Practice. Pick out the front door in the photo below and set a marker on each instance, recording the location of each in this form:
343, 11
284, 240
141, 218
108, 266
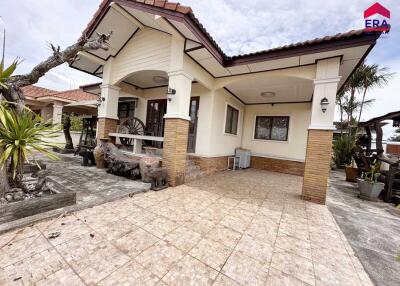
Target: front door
156, 110
193, 114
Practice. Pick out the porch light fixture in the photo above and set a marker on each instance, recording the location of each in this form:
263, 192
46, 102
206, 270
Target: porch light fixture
100, 100
268, 94
324, 104
170, 93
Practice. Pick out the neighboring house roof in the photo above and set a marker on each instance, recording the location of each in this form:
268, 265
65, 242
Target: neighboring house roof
171, 10
36, 91
40, 93
74, 95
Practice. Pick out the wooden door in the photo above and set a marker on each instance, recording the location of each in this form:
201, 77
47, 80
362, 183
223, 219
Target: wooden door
193, 114
156, 110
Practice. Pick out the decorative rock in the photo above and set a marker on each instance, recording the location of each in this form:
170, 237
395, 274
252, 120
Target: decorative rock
145, 164
9, 197
18, 196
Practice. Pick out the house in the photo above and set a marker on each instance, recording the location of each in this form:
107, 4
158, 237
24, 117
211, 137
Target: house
50, 104
278, 103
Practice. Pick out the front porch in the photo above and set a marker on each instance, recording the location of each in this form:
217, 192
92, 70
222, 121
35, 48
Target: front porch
245, 227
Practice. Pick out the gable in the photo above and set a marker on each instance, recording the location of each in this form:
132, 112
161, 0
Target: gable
148, 49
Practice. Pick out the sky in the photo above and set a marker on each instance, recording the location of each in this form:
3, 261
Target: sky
238, 27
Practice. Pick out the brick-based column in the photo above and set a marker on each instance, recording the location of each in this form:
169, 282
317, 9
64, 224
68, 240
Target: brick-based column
105, 126
174, 149
317, 166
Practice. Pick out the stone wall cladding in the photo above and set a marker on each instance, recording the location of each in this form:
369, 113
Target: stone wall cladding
105, 126
210, 165
317, 166
175, 149
278, 165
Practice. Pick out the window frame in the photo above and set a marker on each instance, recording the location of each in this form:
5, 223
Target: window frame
272, 117
225, 119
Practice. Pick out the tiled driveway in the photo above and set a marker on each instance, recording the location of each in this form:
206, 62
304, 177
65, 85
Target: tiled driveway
234, 228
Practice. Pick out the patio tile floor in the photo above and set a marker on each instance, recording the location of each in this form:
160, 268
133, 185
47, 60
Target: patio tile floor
233, 228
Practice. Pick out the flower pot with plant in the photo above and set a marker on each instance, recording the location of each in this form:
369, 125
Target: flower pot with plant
352, 172
368, 185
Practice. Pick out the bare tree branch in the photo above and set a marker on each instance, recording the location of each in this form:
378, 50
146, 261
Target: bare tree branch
14, 83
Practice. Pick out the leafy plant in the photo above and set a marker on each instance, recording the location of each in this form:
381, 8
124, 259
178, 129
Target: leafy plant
342, 151
20, 134
373, 174
5, 73
396, 136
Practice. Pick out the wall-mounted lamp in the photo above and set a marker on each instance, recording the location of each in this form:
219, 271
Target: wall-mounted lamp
100, 100
324, 104
170, 93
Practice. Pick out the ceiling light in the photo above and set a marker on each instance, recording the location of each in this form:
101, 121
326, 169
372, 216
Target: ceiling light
267, 94
160, 79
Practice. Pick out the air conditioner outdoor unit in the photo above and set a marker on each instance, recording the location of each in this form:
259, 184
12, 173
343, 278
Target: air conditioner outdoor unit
243, 157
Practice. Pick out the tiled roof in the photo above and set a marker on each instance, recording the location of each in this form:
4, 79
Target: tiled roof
172, 7
36, 91
339, 36
73, 95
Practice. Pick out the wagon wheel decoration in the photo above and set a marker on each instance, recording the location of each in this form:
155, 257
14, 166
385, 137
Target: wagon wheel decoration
132, 126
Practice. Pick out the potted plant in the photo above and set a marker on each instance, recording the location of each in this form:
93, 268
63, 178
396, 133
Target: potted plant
351, 172
369, 186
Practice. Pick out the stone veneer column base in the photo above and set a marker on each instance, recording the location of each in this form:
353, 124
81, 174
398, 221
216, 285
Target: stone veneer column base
175, 149
105, 126
317, 167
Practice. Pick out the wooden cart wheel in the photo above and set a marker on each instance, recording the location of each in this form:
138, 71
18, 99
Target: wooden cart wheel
133, 126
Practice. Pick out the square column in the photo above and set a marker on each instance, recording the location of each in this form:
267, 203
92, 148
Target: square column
107, 111
57, 112
177, 127
320, 132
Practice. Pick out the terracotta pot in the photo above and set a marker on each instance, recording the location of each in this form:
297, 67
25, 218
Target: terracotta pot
351, 174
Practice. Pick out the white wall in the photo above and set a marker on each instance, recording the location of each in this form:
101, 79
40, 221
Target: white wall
295, 147
221, 144
147, 50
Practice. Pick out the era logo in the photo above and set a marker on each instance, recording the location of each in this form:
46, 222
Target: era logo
376, 18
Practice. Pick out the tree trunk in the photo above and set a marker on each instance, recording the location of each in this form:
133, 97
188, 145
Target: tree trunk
4, 185
362, 104
66, 127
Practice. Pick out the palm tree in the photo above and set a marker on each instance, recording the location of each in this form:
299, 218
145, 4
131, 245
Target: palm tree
340, 103
371, 76
354, 84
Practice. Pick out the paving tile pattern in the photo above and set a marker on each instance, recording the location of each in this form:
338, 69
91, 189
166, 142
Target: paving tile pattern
233, 228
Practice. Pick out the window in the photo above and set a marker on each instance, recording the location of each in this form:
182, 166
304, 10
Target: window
272, 128
126, 109
232, 118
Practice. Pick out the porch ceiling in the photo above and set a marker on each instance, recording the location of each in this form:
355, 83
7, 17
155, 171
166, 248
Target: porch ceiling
148, 79
283, 89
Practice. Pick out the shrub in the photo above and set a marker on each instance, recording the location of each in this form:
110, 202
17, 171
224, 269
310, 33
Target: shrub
342, 151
